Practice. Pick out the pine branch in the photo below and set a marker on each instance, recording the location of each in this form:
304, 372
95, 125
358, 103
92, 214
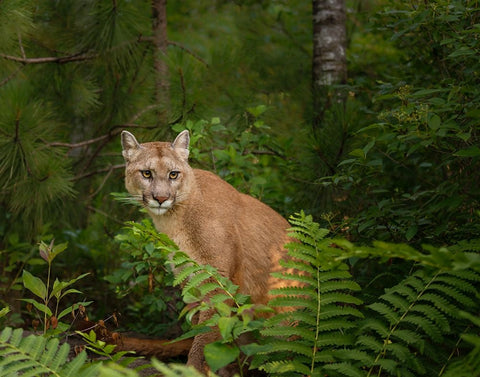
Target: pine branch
50, 59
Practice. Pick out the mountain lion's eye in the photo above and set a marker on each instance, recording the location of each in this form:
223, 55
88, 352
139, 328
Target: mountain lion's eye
146, 174
173, 175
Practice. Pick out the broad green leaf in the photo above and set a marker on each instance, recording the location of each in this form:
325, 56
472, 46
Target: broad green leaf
411, 232
57, 249
42, 307
59, 286
219, 355
226, 326
4, 311
434, 121
473, 151
34, 285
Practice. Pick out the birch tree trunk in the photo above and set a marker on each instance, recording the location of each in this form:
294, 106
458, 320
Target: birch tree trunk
160, 43
329, 52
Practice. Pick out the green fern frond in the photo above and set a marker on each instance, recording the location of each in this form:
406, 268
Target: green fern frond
345, 369
370, 343
326, 308
183, 273
452, 293
288, 367
35, 355
298, 347
435, 315
195, 281
413, 316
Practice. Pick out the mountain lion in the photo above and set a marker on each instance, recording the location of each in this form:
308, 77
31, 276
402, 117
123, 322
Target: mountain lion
207, 218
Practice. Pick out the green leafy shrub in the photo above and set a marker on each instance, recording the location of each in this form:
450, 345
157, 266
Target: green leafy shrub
48, 294
144, 280
412, 174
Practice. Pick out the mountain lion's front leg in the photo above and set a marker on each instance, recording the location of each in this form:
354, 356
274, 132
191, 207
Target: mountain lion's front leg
196, 357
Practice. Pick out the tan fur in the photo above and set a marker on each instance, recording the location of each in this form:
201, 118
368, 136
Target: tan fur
208, 219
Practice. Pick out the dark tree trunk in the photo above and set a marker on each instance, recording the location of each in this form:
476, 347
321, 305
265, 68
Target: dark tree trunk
329, 53
160, 43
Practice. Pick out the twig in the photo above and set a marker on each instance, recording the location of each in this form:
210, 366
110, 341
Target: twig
99, 171
189, 52
11, 76
105, 214
113, 132
49, 59
78, 145
109, 173
143, 111
21, 46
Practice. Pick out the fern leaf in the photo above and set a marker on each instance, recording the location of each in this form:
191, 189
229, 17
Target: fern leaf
355, 355
293, 301
409, 337
286, 366
467, 274
197, 280
337, 285
50, 351
296, 264
184, 273
299, 291
396, 301
304, 279
337, 311
409, 293
453, 293
426, 325
298, 347
328, 307
371, 343
345, 369
34, 356
457, 282
401, 352
338, 297
440, 303
72, 368
289, 331
60, 356
432, 313
385, 311
334, 339
339, 324
376, 325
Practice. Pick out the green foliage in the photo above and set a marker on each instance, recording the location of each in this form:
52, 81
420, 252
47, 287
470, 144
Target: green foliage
177, 370
34, 355
411, 322
45, 294
314, 339
144, 278
247, 156
105, 350
412, 173
231, 313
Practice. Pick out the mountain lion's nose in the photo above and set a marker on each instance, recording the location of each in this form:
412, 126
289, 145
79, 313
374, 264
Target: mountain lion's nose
160, 199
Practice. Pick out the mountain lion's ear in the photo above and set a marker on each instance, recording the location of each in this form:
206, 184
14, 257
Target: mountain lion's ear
181, 144
129, 144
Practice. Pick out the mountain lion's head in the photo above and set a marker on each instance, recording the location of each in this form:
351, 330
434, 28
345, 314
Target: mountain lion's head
157, 174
